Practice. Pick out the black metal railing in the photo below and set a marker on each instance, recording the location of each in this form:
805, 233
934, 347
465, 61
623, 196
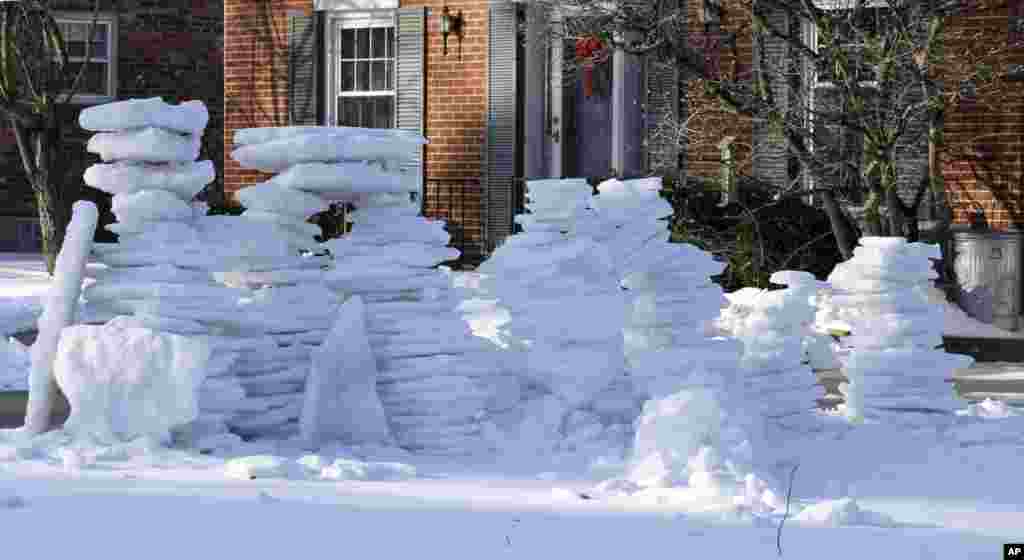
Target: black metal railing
458, 201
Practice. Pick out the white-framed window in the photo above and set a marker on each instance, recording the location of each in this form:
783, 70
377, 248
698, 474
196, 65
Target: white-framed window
99, 83
361, 77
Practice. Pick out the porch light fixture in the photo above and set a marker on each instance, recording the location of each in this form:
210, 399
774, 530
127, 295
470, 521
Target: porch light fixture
450, 24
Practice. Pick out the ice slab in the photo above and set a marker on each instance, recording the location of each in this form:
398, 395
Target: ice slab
184, 180
145, 144
341, 401
188, 117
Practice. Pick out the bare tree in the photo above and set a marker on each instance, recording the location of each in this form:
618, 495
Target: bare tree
37, 83
887, 90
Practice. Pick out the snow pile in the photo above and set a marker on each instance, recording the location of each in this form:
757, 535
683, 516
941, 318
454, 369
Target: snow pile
776, 332
688, 441
883, 294
565, 316
341, 401
14, 365
124, 382
59, 309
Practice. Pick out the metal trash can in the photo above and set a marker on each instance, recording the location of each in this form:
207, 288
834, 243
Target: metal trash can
989, 269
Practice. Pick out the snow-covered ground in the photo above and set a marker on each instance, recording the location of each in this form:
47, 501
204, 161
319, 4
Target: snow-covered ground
939, 492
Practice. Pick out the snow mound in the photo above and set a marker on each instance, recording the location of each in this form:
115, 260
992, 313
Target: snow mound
844, 512
183, 179
188, 117
127, 381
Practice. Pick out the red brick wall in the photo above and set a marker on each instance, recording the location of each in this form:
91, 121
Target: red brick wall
984, 159
255, 74
255, 90
712, 123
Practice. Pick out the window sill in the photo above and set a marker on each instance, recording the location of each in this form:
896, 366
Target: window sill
91, 99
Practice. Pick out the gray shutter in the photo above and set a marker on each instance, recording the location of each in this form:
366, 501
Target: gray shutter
661, 109
500, 148
410, 33
771, 165
303, 52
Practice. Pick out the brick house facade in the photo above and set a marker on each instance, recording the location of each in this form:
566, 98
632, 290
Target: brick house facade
278, 59
983, 164
167, 48
496, 110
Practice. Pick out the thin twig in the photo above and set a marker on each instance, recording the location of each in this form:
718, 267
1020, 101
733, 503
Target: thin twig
789, 495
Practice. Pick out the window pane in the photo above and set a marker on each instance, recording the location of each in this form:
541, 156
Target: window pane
378, 45
363, 43
348, 76
391, 75
379, 75
348, 43
391, 42
94, 82
362, 76
383, 111
348, 111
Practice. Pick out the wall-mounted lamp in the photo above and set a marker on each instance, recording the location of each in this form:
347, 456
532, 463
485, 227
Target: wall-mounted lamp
450, 24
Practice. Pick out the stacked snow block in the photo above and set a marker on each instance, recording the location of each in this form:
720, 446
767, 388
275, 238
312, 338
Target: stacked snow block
160, 272
775, 334
558, 287
314, 166
436, 379
434, 376
631, 215
893, 359
673, 302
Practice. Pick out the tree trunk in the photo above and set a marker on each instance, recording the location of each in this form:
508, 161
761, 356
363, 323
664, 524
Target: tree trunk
841, 231
53, 201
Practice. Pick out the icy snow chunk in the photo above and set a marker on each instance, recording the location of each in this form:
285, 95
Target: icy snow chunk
182, 179
244, 136
145, 144
341, 399
126, 382
258, 466
844, 512
270, 197
987, 408
150, 206
348, 469
189, 117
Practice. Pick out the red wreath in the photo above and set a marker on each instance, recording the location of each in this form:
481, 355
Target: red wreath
589, 51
